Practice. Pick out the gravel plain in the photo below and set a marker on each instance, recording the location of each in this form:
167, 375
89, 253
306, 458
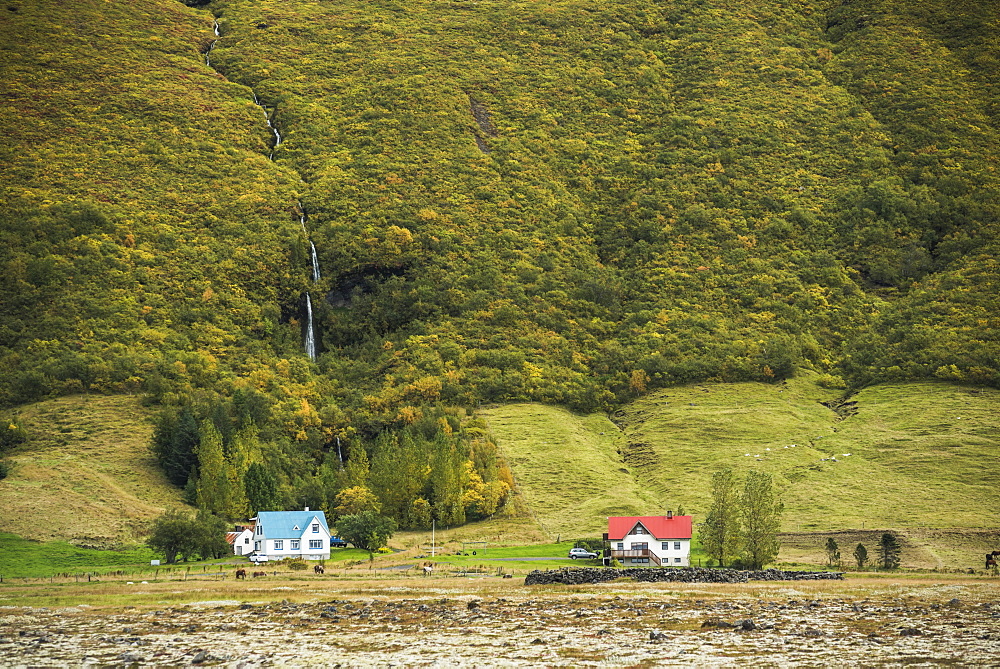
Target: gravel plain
510, 624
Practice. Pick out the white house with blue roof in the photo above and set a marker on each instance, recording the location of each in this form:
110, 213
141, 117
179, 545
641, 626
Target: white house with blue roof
287, 534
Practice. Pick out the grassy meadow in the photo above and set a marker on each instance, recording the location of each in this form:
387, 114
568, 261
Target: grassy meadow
568, 467
917, 458
87, 473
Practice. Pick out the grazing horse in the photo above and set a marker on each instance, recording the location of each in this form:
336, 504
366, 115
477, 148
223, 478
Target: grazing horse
241, 573
318, 569
259, 573
428, 570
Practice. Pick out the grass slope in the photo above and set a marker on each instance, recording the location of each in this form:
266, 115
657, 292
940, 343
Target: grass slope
922, 455
86, 475
567, 467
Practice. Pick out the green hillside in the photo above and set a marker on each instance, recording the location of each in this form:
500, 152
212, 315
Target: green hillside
919, 455
312, 234
86, 474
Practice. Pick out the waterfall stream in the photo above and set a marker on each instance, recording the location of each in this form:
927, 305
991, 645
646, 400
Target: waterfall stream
310, 336
315, 261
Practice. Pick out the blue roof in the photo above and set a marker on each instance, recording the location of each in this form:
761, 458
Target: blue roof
282, 524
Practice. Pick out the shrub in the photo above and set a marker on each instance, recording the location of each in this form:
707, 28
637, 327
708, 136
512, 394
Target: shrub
296, 564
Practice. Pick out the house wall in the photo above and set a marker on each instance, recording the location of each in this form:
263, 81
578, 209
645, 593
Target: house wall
669, 556
265, 545
243, 544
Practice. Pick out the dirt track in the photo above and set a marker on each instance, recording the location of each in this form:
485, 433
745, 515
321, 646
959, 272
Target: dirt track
510, 624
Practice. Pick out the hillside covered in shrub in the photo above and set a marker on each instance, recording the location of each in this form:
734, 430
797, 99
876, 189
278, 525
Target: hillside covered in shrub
574, 202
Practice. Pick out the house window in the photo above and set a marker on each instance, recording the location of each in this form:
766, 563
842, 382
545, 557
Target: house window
639, 530
279, 545
246, 540
665, 545
315, 544
315, 528
621, 545
677, 545
295, 544
636, 546
640, 560
677, 560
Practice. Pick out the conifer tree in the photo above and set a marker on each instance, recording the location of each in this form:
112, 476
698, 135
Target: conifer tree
261, 487
832, 553
888, 551
861, 555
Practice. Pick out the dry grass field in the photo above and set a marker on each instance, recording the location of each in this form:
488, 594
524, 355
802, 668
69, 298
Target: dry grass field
87, 473
363, 620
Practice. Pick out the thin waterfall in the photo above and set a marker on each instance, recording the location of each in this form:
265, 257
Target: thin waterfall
267, 119
315, 261
310, 344
310, 337
340, 454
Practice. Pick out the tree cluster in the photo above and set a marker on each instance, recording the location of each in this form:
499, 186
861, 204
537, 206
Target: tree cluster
743, 521
181, 536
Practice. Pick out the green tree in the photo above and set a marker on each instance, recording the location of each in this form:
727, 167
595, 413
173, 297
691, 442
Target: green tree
175, 442
720, 533
356, 500
243, 451
888, 551
261, 487
760, 511
832, 553
368, 530
861, 555
212, 490
173, 535
447, 482
209, 536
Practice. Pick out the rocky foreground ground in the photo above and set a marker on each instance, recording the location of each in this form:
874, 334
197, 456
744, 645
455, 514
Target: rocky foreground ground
519, 626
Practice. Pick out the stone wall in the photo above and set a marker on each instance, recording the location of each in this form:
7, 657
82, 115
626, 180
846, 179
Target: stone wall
572, 576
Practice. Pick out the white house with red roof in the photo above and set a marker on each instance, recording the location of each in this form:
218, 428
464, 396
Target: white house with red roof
651, 540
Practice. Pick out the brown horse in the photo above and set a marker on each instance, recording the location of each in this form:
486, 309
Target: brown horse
318, 569
259, 573
241, 573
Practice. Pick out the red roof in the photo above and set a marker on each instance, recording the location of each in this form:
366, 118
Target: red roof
661, 527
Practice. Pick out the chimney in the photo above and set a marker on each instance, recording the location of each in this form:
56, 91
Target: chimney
306, 509
670, 514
